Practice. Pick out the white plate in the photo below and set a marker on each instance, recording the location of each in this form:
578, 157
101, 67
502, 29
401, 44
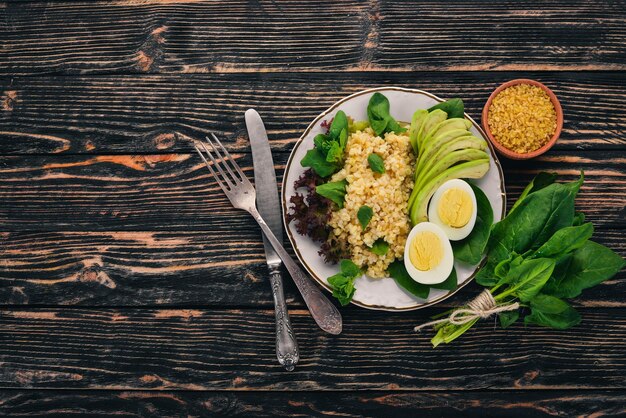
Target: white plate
383, 294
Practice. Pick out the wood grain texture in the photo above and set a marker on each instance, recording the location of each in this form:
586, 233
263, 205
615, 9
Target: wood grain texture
200, 349
178, 269
169, 192
227, 36
160, 114
449, 404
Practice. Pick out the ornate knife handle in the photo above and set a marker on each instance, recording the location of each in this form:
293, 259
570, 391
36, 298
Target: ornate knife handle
286, 344
322, 310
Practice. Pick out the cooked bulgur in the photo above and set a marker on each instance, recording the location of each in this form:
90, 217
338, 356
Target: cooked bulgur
522, 118
387, 194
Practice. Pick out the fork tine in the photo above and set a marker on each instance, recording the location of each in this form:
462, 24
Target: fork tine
213, 173
218, 166
223, 157
233, 162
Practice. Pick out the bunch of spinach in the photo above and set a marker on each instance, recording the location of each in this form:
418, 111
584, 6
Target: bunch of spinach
327, 156
539, 255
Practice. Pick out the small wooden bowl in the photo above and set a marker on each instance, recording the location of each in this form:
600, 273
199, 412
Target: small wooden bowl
512, 154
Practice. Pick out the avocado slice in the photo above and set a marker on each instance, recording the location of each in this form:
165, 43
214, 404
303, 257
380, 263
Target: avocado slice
445, 126
427, 151
418, 211
431, 120
448, 161
459, 143
416, 123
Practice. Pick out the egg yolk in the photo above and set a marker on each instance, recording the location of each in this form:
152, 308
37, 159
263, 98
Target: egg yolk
455, 207
426, 251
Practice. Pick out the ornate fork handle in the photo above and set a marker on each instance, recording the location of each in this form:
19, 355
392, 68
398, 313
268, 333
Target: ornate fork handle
322, 310
286, 344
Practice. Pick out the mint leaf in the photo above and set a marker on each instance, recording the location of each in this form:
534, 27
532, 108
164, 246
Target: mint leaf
327, 156
349, 269
343, 288
342, 283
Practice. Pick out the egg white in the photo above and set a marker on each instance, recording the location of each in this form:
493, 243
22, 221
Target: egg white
454, 234
441, 271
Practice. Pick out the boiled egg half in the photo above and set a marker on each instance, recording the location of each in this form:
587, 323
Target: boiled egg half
428, 254
453, 208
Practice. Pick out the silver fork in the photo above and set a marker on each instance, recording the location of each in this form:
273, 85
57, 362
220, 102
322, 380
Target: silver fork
242, 195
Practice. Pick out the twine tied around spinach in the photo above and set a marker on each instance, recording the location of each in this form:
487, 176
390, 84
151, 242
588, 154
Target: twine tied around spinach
483, 306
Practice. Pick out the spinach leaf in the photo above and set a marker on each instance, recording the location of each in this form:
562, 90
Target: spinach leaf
504, 267
398, 272
471, 249
536, 219
565, 241
486, 275
449, 284
343, 282
453, 107
579, 218
527, 279
335, 191
376, 163
540, 181
507, 318
317, 161
563, 213
339, 127
590, 265
379, 117
551, 312
364, 215
380, 247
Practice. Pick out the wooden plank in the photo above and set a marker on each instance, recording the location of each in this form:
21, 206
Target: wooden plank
169, 192
219, 36
160, 114
178, 269
449, 404
200, 349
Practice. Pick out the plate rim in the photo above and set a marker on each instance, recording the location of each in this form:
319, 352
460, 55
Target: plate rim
283, 198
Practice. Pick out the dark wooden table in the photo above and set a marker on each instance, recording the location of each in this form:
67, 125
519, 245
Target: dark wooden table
129, 286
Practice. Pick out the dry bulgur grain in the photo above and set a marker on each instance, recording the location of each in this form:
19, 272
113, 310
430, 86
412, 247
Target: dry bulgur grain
522, 118
387, 194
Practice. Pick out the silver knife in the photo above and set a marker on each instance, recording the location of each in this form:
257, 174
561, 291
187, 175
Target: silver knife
269, 208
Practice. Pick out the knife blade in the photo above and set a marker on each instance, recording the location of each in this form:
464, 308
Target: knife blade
264, 182
268, 205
